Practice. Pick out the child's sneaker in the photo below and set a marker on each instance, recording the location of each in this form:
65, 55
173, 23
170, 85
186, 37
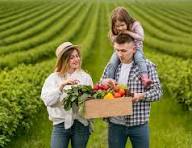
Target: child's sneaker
145, 80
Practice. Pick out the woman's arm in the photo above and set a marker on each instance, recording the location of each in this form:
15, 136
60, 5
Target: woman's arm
89, 80
51, 94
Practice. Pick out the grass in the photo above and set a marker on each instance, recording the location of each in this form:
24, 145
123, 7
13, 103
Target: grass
170, 125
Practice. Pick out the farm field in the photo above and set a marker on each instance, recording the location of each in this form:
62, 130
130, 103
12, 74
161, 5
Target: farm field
31, 30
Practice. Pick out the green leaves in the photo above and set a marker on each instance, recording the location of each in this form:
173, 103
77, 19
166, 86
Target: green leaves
79, 94
99, 94
20, 98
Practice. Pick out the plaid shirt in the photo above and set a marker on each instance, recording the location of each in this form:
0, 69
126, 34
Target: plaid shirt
141, 109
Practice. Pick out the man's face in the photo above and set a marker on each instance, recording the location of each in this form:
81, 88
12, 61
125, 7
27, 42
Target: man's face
125, 51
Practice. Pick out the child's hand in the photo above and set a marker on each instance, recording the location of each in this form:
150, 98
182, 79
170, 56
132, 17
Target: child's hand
125, 31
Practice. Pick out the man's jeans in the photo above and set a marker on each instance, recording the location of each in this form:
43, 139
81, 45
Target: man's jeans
118, 135
78, 134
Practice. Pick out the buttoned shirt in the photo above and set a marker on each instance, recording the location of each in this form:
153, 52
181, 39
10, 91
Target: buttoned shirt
141, 109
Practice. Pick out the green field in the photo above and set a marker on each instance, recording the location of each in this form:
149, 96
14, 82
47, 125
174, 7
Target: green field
31, 30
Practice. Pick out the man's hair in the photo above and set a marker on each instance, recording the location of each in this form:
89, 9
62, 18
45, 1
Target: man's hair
123, 38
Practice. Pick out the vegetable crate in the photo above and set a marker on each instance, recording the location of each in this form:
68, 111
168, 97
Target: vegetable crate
99, 108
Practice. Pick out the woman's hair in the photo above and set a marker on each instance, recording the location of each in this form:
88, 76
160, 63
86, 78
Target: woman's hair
120, 14
62, 64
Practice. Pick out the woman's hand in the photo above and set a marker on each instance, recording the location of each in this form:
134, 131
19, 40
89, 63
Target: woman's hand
68, 82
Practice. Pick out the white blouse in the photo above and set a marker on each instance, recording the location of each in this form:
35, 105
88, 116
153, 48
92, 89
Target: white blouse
53, 97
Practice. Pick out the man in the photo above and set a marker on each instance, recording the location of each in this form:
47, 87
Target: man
133, 126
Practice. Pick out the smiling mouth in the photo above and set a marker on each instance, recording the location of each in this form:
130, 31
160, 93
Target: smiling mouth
76, 63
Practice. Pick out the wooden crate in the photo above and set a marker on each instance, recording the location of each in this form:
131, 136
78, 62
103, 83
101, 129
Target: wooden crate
99, 108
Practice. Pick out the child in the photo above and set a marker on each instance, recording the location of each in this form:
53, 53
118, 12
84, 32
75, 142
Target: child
122, 22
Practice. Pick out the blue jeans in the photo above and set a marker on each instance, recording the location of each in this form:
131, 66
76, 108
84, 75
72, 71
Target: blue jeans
78, 134
112, 66
118, 135
140, 60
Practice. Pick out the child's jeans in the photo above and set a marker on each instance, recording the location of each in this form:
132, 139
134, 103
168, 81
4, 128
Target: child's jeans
114, 62
112, 66
140, 60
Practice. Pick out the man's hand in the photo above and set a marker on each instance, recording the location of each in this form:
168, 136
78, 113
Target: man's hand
137, 97
109, 82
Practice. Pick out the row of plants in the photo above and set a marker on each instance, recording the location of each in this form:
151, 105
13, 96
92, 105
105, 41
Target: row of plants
148, 18
10, 22
17, 8
43, 37
163, 42
159, 24
176, 50
179, 14
29, 24
171, 15
175, 74
46, 51
170, 22
184, 9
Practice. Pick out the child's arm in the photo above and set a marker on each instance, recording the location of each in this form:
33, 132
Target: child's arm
135, 35
137, 32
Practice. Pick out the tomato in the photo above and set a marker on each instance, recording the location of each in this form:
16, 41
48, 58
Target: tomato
121, 91
117, 95
105, 87
96, 87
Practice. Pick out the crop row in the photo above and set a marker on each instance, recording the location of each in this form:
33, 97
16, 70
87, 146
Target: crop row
31, 28
46, 51
45, 36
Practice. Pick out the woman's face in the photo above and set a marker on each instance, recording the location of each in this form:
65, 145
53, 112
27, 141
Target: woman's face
74, 60
120, 27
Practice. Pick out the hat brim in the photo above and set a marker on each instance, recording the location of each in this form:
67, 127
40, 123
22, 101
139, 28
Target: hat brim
66, 49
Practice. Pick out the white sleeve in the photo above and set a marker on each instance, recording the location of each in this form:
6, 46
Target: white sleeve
89, 80
50, 93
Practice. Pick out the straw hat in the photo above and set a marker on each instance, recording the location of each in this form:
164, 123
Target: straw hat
63, 48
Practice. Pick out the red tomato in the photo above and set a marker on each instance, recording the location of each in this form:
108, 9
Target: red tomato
105, 87
121, 91
96, 87
117, 95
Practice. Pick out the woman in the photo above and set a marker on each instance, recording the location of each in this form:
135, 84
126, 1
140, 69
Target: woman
67, 125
